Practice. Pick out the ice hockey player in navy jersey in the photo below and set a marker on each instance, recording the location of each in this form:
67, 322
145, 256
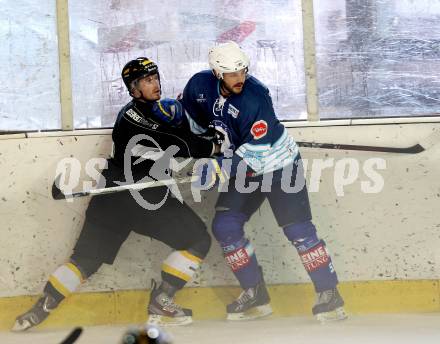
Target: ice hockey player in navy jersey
240, 106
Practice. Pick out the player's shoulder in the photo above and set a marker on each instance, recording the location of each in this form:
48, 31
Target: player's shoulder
203, 76
256, 87
125, 108
255, 94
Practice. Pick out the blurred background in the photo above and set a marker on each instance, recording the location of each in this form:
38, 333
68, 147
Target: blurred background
375, 58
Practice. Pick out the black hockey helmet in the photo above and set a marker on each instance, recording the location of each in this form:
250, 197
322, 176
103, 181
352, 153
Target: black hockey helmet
135, 69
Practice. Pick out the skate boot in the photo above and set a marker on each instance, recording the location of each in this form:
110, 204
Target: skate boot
329, 306
162, 310
252, 303
37, 314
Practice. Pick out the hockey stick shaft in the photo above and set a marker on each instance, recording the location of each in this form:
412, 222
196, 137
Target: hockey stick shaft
58, 194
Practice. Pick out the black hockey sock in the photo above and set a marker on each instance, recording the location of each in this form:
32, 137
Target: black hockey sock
168, 288
50, 290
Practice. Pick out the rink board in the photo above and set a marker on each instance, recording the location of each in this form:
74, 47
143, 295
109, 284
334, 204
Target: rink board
122, 307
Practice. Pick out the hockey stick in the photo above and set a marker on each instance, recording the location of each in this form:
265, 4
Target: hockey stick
73, 336
426, 143
58, 194
417, 148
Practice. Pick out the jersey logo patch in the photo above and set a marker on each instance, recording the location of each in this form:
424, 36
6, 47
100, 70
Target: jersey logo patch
217, 108
259, 129
201, 98
233, 111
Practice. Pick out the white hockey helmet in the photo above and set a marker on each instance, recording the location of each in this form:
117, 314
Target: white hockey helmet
227, 58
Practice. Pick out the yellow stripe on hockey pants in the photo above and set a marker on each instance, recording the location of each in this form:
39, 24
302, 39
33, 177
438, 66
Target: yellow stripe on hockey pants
66, 279
181, 264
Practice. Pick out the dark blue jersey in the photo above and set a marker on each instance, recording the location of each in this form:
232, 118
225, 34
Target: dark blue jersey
256, 134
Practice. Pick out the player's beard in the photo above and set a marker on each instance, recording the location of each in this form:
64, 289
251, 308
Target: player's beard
232, 90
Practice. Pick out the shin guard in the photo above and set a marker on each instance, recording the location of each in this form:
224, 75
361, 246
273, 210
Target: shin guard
239, 254
240, 257
314, 255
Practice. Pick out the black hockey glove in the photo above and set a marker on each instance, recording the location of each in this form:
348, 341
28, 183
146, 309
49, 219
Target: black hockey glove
214, 135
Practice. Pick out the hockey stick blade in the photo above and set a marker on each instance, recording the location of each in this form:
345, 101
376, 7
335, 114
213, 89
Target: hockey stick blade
57, 194
417, 148
73, 336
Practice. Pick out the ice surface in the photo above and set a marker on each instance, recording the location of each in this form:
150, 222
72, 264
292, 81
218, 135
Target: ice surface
377, 329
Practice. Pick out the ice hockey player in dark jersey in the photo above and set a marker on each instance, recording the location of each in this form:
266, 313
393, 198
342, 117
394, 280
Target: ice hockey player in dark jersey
239, 105
110, 218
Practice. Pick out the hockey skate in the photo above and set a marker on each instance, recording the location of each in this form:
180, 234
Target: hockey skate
329, 306
163, 311
252, 303
37, 314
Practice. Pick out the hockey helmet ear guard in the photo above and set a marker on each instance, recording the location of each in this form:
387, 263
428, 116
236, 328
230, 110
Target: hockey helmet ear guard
227, 58
138, 68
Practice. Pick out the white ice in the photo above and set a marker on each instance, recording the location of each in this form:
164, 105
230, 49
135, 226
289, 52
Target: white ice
377, 329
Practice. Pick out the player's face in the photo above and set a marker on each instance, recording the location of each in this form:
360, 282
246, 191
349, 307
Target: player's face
234, 82
148, 87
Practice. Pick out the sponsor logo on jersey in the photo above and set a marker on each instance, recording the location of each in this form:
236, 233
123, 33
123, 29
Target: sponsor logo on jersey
201, 98
259, 129
238, 259
233, 111
139, 119
315, 258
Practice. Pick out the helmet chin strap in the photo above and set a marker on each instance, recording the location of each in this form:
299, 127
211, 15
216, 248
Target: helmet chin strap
221, 84
143, 97
217, 74
223, 89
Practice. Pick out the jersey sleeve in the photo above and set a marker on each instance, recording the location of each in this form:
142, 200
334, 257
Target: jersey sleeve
194, 113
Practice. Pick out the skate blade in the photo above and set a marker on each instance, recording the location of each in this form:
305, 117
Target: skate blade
160, 320
335, 315
21, 326
251, 314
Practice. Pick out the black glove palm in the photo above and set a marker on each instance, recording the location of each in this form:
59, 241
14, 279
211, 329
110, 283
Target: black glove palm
214, 135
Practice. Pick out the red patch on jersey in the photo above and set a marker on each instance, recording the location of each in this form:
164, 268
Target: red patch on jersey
259, 129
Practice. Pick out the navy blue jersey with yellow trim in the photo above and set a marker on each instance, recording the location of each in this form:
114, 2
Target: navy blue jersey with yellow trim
256, 134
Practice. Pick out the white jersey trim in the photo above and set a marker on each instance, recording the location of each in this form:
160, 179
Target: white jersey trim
268, 158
